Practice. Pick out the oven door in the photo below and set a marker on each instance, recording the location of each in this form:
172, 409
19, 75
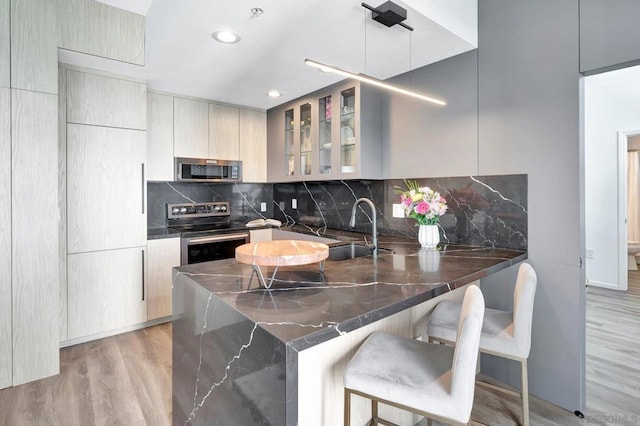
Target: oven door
211, 247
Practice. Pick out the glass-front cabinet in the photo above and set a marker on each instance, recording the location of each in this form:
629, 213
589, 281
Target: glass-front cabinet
289, 156
320, 136
324, 135
306, 140
348, 130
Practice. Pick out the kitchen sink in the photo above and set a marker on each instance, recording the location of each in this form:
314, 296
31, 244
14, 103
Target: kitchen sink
352, 251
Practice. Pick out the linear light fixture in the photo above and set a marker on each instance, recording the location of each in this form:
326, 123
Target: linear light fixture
373, 81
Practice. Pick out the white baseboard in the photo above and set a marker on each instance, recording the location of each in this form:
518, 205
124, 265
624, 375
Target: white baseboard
110, 333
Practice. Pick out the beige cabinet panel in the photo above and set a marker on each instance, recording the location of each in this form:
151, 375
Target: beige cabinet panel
105, 291
257, 235
98, 29
159, 137
162, 256
105, 188
5, 46
224, 129
34, 228
62, 203
190, 128
34, 47
5, 238
253, 145
105, 101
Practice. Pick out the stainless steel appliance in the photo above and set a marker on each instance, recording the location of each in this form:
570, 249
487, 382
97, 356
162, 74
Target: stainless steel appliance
206, 231
207, 170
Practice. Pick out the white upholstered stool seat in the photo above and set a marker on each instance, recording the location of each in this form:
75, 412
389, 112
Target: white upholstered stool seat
436, 381
504, 334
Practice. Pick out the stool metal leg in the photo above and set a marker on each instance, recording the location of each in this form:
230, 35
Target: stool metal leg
347, 407
374, 412
525, 393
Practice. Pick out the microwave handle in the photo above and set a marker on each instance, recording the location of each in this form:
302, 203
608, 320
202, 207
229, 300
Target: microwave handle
142, 186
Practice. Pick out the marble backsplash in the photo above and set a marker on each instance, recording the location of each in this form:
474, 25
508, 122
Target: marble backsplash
244, 199
483, 210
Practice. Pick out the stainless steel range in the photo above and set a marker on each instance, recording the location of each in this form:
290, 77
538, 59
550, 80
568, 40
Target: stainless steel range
206, 231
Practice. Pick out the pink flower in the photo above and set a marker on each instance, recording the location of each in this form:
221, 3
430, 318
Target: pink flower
405, 201
422, 207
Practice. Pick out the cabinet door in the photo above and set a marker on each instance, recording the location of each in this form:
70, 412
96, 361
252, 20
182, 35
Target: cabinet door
34, 230
159, 137
5, 238
253, 145
34, 45
105, 101
102, 30
5, 52
349, 133
105, 188
224, 127
190, 128
162, 256
105, 291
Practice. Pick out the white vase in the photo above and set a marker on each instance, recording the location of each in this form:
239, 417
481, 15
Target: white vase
428, 236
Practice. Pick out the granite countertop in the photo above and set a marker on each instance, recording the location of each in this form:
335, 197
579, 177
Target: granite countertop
306, 307
162, 232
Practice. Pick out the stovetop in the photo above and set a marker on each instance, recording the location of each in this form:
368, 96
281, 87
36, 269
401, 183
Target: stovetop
201, 218
208, 227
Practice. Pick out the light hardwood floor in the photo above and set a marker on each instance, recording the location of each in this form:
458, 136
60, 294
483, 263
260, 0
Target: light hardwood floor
120, 380
126, 379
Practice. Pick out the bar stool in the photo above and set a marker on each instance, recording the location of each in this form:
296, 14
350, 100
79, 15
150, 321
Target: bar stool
504, 334
435, 381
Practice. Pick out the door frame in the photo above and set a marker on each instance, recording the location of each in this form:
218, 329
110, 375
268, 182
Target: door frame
623, 254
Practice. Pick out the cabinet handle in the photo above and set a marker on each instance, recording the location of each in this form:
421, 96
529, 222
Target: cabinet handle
142, 186
142, 251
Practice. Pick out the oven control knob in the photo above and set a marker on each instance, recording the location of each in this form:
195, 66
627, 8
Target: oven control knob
183, 210
223, 208
175, 210
216, 208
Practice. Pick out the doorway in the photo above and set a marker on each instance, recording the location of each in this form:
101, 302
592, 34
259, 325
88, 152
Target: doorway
611, 117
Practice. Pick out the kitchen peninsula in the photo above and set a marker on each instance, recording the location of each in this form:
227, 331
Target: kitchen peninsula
244, 355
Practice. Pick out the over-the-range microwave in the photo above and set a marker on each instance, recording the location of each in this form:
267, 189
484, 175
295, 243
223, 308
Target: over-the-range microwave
207, 170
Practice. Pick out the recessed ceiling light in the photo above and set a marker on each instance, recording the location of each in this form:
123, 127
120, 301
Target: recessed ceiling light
274, 94
224, 36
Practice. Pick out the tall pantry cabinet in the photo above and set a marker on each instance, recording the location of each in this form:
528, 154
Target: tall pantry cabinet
106, 203
32, 248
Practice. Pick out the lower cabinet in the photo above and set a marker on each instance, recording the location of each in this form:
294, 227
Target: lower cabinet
162, 256
106, 291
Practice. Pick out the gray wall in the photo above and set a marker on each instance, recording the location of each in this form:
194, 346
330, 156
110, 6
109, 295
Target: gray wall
513, 107
609, 33
529, 122
422, 139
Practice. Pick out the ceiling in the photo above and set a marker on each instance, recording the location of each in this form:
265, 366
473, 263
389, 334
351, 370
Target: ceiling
181, 56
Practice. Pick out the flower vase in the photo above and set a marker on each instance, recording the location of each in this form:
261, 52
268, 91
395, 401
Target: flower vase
428, 236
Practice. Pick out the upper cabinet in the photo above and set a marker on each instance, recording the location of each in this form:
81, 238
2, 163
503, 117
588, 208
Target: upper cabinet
253, 145
159, 137
190, 128
180, 127
34, 48
99, 100
335, 133
224, 132
99, 29
5, 47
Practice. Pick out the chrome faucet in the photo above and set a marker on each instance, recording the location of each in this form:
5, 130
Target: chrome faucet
374, 228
